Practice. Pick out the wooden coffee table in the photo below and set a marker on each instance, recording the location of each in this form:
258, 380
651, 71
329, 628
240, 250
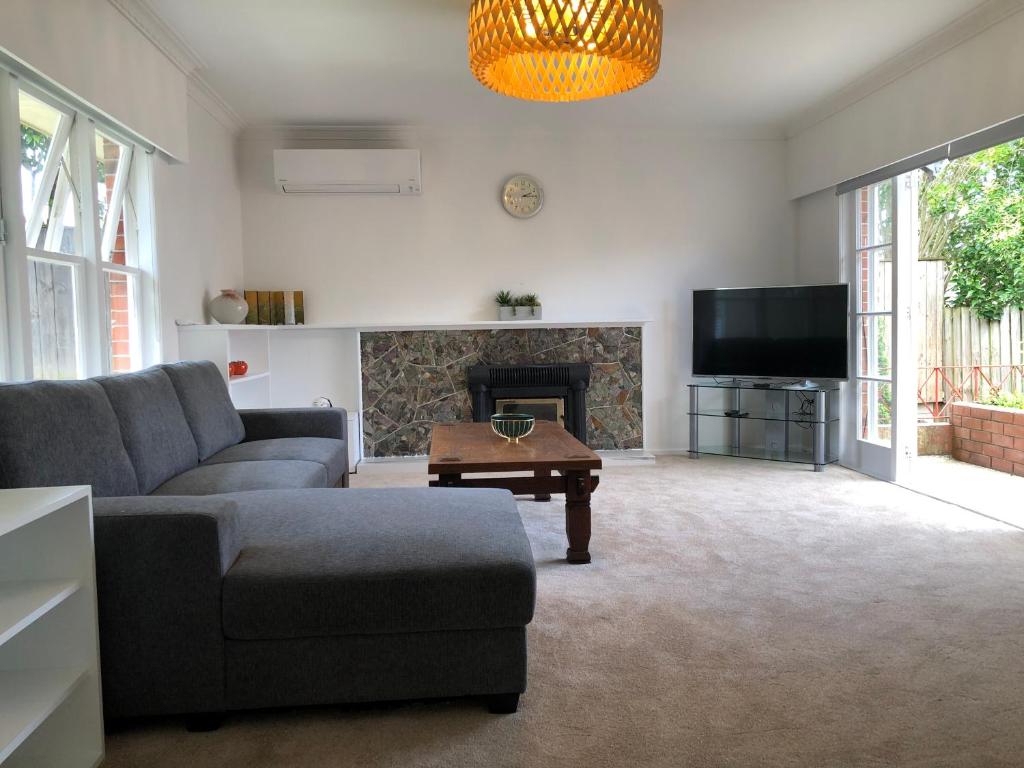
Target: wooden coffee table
559, 463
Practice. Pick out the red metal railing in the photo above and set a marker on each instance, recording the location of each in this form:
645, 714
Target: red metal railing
941, 386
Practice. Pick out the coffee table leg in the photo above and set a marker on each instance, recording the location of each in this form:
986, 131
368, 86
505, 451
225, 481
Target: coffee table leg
449, 481
577, 516
542, 496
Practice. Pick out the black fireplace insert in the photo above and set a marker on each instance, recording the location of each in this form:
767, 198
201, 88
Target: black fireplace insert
569, 381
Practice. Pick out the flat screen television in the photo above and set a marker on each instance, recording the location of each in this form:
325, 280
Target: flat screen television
796, 332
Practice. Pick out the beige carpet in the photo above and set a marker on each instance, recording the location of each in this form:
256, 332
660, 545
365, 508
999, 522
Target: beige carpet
736, 614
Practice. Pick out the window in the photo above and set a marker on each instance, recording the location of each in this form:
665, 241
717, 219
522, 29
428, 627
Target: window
79, 287
52, 238
873, 311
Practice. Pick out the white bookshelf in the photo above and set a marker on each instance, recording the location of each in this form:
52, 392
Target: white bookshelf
250, 344
50, 705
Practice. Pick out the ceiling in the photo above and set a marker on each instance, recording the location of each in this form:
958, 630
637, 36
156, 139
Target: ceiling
737, 64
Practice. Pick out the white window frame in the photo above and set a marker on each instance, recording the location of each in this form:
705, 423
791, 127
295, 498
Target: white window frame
886, 461
133, 181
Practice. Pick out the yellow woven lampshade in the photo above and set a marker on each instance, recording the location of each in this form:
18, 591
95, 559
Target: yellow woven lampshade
564, 50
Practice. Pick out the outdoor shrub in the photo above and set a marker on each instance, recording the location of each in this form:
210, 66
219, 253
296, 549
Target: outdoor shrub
1006, 400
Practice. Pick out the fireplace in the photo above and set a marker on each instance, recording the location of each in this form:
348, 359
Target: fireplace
541, 408
536, 389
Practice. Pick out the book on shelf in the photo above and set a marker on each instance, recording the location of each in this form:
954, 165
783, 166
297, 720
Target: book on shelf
252, 299
276, 308
264, 307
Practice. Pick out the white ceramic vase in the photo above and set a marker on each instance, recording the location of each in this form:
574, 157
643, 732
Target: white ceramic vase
229, 308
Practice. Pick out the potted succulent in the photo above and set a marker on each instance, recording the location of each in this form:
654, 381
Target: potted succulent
505, 301
527, 307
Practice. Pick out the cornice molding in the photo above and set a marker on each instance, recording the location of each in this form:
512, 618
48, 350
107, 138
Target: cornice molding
183, 56
960, 31
158, 32
204, 94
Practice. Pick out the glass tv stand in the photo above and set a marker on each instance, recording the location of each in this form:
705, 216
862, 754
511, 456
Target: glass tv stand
796, 423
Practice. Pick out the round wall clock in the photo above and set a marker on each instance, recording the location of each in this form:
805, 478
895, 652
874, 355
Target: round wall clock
522, 196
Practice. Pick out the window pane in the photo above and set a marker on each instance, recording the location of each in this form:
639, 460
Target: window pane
124, 336
874, 277
875, 344
874, 215
54, 320
46, 190
874, 412
111, 157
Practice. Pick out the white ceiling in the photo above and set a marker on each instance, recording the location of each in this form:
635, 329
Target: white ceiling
738, 64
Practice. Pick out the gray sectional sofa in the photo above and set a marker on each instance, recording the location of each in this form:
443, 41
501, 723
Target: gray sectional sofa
236, 570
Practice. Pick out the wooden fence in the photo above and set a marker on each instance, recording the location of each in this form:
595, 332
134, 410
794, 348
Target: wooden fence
956, 339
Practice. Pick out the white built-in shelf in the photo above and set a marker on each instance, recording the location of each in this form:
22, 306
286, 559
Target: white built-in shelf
248, 377
21, 603
465, 325
30, 697
50, 710
21, 506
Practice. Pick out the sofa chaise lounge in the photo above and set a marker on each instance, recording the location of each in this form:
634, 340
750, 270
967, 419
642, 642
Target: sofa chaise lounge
233, 574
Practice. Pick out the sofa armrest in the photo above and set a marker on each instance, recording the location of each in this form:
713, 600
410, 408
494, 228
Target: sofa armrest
160, 563
266, 424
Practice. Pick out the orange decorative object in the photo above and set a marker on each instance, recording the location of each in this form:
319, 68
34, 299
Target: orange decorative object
238, 368
564, 50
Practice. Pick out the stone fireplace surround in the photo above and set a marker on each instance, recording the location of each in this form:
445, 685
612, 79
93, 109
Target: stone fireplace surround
412, 378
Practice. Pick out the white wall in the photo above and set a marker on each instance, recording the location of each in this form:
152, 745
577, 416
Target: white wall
90, 49
631, 224
973, 86
817, 242
198, 225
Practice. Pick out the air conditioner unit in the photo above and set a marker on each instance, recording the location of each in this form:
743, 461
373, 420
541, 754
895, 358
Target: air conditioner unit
347, 171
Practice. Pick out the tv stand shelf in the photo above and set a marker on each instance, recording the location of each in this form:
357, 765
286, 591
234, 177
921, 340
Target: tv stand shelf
796, 423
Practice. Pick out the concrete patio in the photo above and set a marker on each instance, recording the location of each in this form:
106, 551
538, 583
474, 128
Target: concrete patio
986, 491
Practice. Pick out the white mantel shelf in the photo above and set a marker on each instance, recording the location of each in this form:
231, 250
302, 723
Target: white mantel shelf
466, 325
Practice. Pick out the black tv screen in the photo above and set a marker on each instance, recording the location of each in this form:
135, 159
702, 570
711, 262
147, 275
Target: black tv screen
797, 332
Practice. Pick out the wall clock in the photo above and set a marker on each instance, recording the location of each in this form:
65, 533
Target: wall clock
522, 196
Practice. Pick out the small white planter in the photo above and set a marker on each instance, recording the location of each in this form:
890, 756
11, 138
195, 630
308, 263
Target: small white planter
506, 313
527, 313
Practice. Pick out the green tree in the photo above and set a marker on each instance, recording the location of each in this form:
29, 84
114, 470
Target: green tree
35, 145
978, 203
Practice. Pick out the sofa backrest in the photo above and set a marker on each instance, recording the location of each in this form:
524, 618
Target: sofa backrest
204, 398
155, 433
62, 433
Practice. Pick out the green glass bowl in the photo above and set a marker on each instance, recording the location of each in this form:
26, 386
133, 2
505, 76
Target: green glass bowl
512, 426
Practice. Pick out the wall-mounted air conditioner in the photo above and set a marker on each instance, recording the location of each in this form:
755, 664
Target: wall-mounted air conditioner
347, 171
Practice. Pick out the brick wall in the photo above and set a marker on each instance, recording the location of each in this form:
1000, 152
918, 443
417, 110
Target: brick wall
117, 284
989, 436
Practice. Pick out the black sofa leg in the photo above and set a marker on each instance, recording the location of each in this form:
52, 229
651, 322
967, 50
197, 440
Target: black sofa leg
204, 722
503, 703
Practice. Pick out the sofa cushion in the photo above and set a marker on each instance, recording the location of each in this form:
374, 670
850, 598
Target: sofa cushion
204, 398
62, 433
333, 454
319, 563
153, 427
245, 476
